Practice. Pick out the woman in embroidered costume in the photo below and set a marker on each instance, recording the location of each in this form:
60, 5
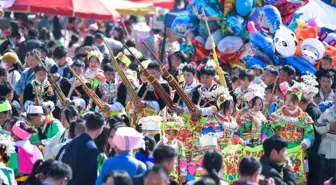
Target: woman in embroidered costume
291, 122
170, 127
7, 148
251, 121
26, 154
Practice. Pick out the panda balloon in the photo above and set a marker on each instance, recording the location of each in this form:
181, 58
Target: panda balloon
284, 42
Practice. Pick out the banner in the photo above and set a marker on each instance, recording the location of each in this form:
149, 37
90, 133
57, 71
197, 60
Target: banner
234, 153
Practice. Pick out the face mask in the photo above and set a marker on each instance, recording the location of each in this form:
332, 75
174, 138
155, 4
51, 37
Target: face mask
257, 80
4, 65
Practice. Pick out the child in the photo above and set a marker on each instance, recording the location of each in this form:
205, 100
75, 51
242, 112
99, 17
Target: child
257, 71
112, 92
7, 91
27, 75
94, 74
251, 121
171, 128
10, 62
326, 65
23, 160
246, 78
46, 126
41, 89
73, 89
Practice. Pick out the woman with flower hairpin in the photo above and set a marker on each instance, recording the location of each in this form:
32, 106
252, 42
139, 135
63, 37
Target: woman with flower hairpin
252, 123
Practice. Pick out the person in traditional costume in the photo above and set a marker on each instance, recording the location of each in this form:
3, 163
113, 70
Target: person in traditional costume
223, 123
26, 154
192, 88
112, 92
46, 126
151, 103
150, 125
246, 78
73, 90
171, 126
291, 122
94, 74
207, 142
124, 62
7, 147
40, 90
252, 123
60, 71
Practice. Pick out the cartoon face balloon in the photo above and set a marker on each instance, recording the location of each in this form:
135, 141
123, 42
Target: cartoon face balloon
284, 42
184, 25
230, 44
269, 19
312, 50
211, 8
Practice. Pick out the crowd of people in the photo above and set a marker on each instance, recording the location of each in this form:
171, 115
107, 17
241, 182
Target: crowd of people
84, 107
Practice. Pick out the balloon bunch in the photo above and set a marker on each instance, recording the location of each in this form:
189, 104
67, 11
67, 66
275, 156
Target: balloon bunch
248, 32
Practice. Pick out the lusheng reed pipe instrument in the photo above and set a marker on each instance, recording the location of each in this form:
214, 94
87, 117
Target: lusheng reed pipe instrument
173, 83
53, 84
100, 103
157, 86
133, 95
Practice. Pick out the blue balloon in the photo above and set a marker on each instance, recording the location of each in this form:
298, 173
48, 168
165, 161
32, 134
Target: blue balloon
236, 25
301, 66
255, 60
184, 24
244, 7
211, 8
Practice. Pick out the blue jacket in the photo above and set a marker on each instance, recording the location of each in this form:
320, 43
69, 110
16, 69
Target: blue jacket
27, 76
81, 154
124, 161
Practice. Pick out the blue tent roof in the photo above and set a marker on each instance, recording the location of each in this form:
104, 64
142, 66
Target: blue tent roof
170, 17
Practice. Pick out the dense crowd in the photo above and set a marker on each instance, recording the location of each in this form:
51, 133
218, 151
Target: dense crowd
90, 106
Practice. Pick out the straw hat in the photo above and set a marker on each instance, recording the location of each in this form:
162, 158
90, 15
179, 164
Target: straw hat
10, 57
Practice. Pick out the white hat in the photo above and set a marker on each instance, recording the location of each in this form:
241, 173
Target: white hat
209, 139
79, 103
34, 109
151, 123
49, 106
127, 138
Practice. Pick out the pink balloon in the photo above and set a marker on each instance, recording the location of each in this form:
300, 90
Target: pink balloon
312, 23
251, 27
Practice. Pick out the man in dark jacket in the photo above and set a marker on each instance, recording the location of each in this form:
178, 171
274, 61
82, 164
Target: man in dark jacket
81, 153
275, 153
31, 43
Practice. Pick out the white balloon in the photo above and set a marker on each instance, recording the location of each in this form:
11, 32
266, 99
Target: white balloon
230, 44
217, 35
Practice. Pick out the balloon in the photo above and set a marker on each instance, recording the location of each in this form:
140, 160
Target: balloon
243, 7
184, 25
203, 31
228, 6
284, 42
246, 51
301, 66
294, 23
269, 19
312, 23
253, 16
312, 50
330, 39
211, 9
255, 60
303, 32
260, 41
230, 44
217, 36
236, 25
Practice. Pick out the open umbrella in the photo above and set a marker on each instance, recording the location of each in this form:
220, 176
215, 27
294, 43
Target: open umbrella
125, 7
89, 9
170, 4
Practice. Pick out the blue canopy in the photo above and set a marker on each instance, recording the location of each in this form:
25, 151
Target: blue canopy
170, 17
